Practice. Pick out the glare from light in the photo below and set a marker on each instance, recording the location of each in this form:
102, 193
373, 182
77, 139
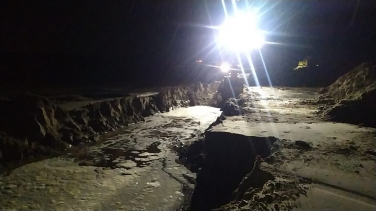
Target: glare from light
240, 33
225, 67
266, 71
242, 69
253, 69
224, 7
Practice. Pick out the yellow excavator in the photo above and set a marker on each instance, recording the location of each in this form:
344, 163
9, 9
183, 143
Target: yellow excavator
302, 64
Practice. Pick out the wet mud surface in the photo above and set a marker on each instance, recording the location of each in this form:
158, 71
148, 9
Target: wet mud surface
278, 154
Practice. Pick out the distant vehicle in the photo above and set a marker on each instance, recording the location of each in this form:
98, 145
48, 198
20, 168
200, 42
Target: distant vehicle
232, 78
225, 69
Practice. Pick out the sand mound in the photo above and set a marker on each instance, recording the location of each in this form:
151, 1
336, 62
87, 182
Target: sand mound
355, 94
354, 84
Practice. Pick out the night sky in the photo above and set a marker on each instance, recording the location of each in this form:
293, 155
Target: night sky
139, 42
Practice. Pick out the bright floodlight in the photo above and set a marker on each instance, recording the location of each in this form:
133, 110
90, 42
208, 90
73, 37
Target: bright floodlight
240, 33
225, 67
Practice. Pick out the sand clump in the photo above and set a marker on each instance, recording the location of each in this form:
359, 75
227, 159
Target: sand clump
277, 193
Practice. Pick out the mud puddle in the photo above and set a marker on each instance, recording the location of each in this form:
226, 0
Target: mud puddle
121, 158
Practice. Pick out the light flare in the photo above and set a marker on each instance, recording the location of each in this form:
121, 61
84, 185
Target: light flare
225, 67
266, 71
240, 32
